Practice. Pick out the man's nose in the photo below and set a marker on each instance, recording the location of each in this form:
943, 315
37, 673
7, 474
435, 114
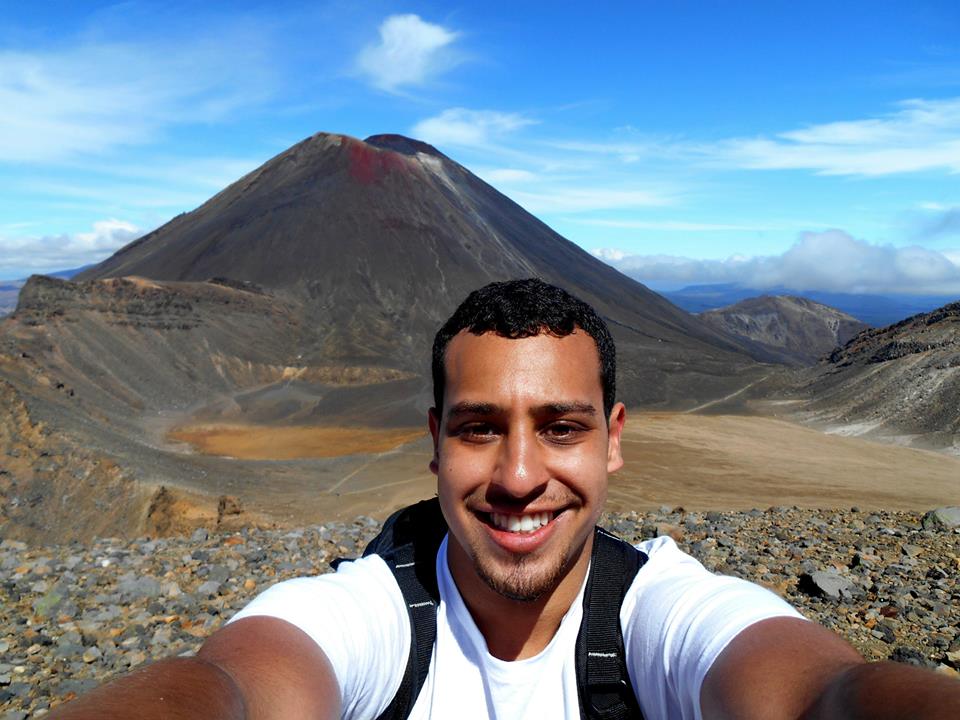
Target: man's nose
520, 468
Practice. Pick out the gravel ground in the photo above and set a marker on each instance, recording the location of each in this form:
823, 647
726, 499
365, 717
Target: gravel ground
74, 615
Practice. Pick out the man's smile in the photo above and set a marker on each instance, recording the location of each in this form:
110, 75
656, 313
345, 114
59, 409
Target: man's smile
520, 523
521, 533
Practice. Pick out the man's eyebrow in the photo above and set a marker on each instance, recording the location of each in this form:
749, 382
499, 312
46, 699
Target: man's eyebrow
473, 408
568, 408
553, 408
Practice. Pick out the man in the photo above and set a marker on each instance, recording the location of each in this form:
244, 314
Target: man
525, 431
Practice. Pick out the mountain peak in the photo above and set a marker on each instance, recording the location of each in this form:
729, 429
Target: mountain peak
403, 145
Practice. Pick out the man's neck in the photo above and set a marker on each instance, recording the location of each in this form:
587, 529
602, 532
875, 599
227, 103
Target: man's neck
514, 629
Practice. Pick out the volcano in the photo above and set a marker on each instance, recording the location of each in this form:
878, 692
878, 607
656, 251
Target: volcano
306, 295
379, 240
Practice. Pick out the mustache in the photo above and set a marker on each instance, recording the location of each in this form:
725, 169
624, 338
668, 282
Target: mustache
556, 499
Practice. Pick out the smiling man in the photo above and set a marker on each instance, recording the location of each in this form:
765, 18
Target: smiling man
524, 609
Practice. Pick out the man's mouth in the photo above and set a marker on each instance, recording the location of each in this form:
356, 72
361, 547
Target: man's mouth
528, 523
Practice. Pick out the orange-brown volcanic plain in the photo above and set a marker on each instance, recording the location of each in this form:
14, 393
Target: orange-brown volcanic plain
695, 461
263, 442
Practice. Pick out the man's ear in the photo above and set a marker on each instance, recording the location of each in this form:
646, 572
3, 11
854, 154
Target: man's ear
433, 420
618, 416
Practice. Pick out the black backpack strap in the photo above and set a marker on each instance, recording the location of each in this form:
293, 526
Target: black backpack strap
408, 543
602, 679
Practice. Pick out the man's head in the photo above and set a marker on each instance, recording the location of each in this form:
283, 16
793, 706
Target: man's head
524, 308
524, 437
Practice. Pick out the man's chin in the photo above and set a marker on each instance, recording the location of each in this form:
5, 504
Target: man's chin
523, 579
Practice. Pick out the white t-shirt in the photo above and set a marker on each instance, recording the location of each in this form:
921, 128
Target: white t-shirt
676, 617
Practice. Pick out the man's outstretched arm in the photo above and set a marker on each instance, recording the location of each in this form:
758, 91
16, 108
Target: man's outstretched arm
258, 668
791, 668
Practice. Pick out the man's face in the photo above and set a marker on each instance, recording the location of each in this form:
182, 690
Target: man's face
522, 451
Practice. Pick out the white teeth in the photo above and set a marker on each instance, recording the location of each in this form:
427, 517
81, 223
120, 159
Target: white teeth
520, 523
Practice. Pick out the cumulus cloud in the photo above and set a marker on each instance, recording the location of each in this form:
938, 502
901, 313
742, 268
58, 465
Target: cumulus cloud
25, 255
410, 52
463, 127
829, 261
920, 135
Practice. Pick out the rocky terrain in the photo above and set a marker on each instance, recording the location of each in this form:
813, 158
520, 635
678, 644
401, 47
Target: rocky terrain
73, 615
899, 383
796, 330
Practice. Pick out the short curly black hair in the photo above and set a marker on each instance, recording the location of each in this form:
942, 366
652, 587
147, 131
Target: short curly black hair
524, 308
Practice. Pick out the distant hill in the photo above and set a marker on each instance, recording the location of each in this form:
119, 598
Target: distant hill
900, 382
874, 310
800, 330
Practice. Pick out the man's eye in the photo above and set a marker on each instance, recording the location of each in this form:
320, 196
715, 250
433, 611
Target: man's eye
477, 432
562, 432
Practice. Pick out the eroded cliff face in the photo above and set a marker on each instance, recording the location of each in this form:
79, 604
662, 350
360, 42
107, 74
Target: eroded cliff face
49, 485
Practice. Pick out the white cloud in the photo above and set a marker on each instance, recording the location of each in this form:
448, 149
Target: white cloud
830, 261
23, 255
921, 135
86, 99
952, 255
463, 127
410, 52
610, 255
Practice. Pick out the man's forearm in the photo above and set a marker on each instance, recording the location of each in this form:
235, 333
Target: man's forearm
880, 690
172, 689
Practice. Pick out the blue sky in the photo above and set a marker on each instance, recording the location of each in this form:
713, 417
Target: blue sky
813, 145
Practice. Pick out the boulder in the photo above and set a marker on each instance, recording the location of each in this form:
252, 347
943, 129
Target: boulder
826, 583
943, 517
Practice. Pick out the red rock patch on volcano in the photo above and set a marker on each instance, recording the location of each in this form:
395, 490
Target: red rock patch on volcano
368, 164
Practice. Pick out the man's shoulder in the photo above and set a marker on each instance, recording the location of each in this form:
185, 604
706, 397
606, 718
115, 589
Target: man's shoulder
664, 555
365, 581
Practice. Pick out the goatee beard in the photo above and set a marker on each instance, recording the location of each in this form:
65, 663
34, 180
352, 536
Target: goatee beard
522, 583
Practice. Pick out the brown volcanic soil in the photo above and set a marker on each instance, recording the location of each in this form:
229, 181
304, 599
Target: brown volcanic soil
260, 442
738, 462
